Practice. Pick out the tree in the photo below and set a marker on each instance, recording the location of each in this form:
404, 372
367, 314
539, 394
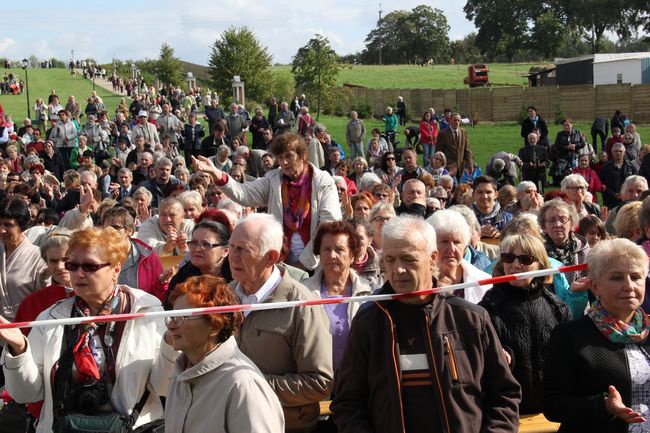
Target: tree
315, 67
465, 50
547, 34
238, 52
415, 37
168, 68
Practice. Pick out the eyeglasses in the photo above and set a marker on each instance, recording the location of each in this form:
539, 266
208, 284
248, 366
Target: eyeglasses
390, 158
561, 219
179, 320
382, 195
115, 226
524, 259
342, 189
381, 219
204, 245
577, 188
86, 267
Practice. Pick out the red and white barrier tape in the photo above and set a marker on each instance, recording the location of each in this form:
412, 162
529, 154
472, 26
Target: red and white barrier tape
288, 304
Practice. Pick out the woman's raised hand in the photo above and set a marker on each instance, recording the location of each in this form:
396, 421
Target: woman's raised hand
615, 406
13, 337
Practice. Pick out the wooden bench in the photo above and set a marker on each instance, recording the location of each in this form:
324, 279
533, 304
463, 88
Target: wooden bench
527, 423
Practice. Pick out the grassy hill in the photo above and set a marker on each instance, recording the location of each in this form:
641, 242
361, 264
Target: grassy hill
43, 81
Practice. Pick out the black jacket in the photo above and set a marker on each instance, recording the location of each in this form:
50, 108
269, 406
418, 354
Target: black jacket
474, 390
527, 127
580, 364
613, 177
524, 319
535, 162
564, 139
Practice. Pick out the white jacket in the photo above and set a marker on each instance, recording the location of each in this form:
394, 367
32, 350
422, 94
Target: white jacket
267, 191
143, 360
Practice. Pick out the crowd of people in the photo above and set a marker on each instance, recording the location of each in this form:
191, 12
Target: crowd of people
143, 210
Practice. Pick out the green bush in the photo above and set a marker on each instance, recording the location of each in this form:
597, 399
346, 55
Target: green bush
363, 109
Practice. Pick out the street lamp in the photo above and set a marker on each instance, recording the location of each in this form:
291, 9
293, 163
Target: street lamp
25, 65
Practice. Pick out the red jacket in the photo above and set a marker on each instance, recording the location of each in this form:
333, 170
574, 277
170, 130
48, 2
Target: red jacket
592, 179
149, 270
428, 132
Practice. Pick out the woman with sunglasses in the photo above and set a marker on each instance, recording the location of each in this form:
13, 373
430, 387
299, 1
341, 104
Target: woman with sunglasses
214, 386
94, 368
208, 250
387, 170
524, 312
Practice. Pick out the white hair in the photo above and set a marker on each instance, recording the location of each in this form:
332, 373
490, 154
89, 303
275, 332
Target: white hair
605, 252
446, 178
145, 192
523, 186
191, 198
469, 215
573, 180
270, 238
231, 205
368, 180
163, 161
339, 179
449, 222
632, 180
400, 227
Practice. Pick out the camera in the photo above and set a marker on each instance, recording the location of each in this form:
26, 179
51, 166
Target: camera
87, 398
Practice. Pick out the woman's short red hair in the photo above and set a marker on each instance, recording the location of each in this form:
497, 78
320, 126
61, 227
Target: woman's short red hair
211, 291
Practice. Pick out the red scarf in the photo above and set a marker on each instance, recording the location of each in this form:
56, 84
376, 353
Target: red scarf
296, 201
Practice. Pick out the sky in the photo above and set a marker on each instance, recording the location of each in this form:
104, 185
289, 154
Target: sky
136, 29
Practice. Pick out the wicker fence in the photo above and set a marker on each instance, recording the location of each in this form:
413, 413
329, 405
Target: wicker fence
500, 104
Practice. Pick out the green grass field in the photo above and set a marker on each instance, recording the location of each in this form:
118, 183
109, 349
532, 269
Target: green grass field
486, 139
418, 77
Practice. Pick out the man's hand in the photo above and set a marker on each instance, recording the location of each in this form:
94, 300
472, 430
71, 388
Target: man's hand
86, 199
172, 239
204, 164
181, 241
489, 231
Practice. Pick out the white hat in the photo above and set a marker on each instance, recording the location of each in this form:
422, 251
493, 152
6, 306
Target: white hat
143, 113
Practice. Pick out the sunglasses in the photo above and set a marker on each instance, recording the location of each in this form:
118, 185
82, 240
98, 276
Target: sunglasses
390, 158
86, 267
524, 259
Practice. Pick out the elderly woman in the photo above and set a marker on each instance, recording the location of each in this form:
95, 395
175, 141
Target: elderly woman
361, 205
436, 165
222, 159
21, 265
192, 204
597, 368
342, 170
367, 263
359, 167
142, 268
380, 214
632, 189
142, 197
575, 186
524, 312
215, 387
297, 193
453, 236
118, 366
557, 219
337, 244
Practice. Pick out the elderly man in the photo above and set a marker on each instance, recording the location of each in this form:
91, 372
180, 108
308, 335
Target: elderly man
162, 185
253, 158
524, 189
285, 120
167, 233
487, 209
291, 346
64, 136
145, 129
169, 125
125, 181
613, 174
414, 199
410, 169
422, 363
632, 189
453, 142
355, 132
236, 123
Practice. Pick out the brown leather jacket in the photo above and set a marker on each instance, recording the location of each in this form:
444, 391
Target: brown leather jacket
474, 389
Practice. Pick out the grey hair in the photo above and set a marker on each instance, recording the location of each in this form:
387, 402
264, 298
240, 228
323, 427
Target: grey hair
90, 175
449, 222
523, 186
319, 127
56, 238
367, 180
381, 207
241, 150
224, 148
605, 252
143, 191
469, 215
446, 178
557, 203
163, 161
191, 198
403, 226
573, 180
179, 159
338, 179
634, 179
181, 170
126, 171
270, 238
169, 202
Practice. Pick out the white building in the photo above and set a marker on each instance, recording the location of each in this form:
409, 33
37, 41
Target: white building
618, 68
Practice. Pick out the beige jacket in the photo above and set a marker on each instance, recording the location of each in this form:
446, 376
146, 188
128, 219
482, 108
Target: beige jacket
225, 392
267, 192
151, 234
293, 349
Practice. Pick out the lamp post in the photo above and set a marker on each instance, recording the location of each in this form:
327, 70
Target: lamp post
25, 65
